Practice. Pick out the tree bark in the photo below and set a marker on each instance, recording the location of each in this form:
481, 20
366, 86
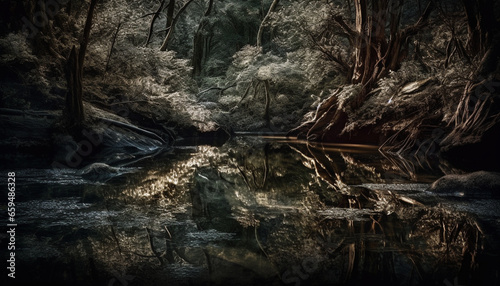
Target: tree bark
74, 103
361, 44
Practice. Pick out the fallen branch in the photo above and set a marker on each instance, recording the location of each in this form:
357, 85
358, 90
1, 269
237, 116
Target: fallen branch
220, 89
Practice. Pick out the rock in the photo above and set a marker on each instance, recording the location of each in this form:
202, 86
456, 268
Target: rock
98, 172
481, 183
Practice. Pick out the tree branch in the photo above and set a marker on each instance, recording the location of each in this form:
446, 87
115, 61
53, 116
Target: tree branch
345, 67
339, 20
156, 15
261, 28
422, 22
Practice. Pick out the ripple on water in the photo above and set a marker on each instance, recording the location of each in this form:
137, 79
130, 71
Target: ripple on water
348, 214
63, 212
201, 238
64, 176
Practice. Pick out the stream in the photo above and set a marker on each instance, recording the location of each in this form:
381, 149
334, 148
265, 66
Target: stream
254, 211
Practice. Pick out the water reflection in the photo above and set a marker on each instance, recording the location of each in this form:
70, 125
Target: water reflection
255, 212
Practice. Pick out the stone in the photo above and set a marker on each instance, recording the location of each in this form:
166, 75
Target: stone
480, 183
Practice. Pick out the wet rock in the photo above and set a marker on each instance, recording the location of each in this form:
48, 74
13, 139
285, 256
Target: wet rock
98, 172
477, 184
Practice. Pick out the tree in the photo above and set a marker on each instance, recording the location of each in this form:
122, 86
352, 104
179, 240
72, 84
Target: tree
172, 24
261, 28
476, 121
201, 43
170, 16
155, 16
481, 24
375, 51
74, 70
378, 44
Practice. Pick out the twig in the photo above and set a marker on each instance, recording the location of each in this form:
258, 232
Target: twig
221, 89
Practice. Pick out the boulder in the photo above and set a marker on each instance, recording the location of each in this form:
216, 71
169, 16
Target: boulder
477, 184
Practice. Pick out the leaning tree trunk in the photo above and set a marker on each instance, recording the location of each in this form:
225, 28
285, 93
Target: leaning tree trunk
153, 20
172, 26
261, 28
74, 69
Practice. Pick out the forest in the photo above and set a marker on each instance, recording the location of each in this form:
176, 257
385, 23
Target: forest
413, 76
95, 93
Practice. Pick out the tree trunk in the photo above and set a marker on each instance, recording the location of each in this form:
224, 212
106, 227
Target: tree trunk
267, 103
151, 25
172, 26
170, 15
74, 70
480, 23
375, 54
113, 41
261, 28
361, 44
200, 46
74, 104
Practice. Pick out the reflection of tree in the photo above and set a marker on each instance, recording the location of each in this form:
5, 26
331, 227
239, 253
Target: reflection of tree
393, 235
197, 212
251, 173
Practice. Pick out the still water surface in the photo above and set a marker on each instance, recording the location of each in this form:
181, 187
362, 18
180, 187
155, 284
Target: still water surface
255, 211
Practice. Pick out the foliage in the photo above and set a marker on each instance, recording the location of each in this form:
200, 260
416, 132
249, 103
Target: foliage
305, 55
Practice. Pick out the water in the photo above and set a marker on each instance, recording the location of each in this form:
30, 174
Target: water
256, 211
